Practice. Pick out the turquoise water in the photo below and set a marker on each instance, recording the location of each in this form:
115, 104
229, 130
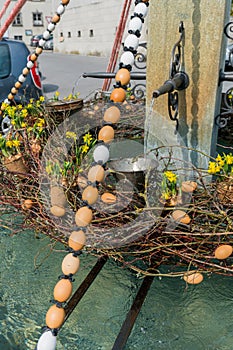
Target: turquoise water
173, 317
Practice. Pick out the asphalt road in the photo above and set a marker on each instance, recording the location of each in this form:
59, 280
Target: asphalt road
63, 73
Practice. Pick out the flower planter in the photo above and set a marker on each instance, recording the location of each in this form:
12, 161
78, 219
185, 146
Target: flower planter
61, 106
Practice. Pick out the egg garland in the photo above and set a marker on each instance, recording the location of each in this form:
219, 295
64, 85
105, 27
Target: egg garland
34, 56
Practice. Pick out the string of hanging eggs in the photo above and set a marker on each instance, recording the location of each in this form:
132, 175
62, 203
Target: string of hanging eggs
70, 265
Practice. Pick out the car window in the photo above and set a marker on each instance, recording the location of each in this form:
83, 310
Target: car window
5, 61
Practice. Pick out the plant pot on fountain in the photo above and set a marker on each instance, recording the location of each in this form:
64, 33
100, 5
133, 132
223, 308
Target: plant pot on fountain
68, 104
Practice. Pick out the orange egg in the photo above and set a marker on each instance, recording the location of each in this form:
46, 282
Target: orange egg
118, 95
188, 186
33, 57
83, 216
108, 198
193, 277
123, 76
70, 264
55, 317
223, 251
10, 97
14, 91
65, 2
18, 84
63, 290
181, 216
112, 115
55, 19
27, 204
77, 240
25, 71
106, 134
90, 195
39, 50
57, 211
96, 173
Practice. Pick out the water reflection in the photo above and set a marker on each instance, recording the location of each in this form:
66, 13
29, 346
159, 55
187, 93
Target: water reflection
173, 317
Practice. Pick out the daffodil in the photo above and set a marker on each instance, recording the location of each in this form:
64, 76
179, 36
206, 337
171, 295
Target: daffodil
87, 138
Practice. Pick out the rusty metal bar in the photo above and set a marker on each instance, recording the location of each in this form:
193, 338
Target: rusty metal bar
131, 317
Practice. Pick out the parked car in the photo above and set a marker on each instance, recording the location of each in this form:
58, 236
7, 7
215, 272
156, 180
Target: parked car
35, 40
49, 44
229, 57
14, 55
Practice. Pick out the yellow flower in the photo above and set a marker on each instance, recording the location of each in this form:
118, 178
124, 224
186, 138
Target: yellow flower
212, 168
41, 98
85, 148
220, 161
170, 176
87, 138
23, 124
9, 143
229, 159
16, 143
71, 135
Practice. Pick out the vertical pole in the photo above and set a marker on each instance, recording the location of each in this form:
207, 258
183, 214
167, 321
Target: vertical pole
11, 17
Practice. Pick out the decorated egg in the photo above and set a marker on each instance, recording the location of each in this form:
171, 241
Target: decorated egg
188, 186
77, 240
101, 154
112, 115
90, 195
70, 264
123, 76
14, 91
33, 57
25, 71
65, 2
27, 204
55, 317
63, 290
193, 277
47, 341
181, 216
83, 216
106, 134
135, 24
96, 173
57, 211
108, 198
56, 18
223, 251
118, 95
131, 41
18, 84
141, 9
127, 58
39, 50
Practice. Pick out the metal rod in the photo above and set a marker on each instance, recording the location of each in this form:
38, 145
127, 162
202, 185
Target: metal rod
11, 17
131, 317
107, 75
77, 296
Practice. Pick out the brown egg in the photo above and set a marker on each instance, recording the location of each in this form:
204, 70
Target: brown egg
90, 195
181, 216
57, 196
55, 19
83, 216
123, 76
14, 91
33, 57
223, 251
55, 317
118, 95
112, 115
106, 134
57, 211
65, 2
18, 84
193, 277
82, 181
188, 186
39, 50
77, 240
27, 204
10, 97
108, 198
63, 290
25, 71
70, 264
96, 173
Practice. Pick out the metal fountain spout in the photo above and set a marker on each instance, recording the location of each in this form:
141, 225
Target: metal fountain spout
180, 81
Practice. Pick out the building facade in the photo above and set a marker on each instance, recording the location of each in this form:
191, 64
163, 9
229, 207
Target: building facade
87, 27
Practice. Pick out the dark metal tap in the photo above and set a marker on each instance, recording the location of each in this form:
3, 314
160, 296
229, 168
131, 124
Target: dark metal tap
180, 81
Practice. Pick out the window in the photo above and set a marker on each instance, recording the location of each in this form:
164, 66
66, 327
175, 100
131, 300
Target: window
18, 37
91, 33
18, 21
37, 19
5, 61
79, 34
69, 34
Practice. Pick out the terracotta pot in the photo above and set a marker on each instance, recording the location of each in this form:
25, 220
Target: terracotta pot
225, 191
16, 164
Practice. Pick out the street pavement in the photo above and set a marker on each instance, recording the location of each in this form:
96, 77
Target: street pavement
63, 73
